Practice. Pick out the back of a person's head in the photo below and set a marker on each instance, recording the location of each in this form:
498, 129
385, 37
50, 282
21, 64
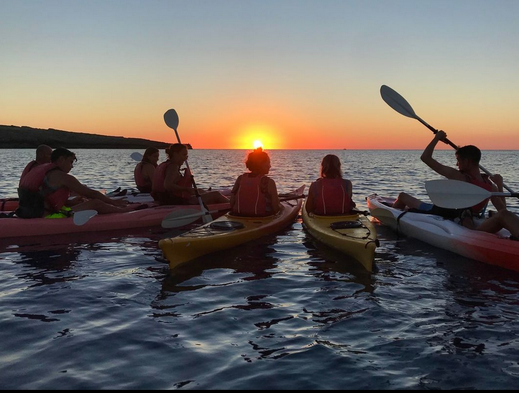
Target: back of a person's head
331, 167
175, 148
256, 159
61, 152
469, 152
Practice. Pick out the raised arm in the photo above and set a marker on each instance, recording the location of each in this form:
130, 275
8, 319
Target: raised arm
444, 170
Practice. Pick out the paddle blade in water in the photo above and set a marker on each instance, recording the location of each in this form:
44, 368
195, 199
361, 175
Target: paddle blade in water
180, 218
82, 217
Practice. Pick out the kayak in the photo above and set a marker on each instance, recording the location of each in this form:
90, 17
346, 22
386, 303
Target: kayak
495, 249
11, 204
228, 231
352, 235
148, 217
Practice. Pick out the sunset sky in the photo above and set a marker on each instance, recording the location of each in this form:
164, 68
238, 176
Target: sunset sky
294, 74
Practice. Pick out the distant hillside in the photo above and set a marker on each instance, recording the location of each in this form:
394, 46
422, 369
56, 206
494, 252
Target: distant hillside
13, 137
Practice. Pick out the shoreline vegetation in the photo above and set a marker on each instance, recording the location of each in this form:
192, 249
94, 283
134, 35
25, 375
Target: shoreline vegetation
15, 137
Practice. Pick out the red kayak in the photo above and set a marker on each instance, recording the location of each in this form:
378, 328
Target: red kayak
149, 217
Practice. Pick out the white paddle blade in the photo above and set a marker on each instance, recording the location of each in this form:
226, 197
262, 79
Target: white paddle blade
182, 217
455, 194
136, 156
396, 101
171, 119
83, 216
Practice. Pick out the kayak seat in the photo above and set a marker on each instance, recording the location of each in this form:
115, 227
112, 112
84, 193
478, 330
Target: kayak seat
226, 225
346, 225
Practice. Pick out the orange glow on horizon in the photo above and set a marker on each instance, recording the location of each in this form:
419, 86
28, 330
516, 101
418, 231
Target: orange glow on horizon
257, 135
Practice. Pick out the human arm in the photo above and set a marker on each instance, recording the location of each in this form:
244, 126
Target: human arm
498, 202
444, 170
274, 198
309, 203
234, 191
61, 179
172, 179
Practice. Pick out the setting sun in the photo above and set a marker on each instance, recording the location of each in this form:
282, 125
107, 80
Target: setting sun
259, 135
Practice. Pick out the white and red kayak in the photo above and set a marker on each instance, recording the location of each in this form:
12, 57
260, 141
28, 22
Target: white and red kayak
495, 249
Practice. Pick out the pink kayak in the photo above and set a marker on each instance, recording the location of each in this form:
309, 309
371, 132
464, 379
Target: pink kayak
494, 249
149, 217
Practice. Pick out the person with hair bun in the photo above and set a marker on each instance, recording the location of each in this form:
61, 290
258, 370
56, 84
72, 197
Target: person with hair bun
171, 187
254, 193
330, 194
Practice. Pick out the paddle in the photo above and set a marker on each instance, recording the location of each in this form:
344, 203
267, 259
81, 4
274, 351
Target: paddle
399, 104
171, 120
83, 216
455, 194
136, 156
183, 217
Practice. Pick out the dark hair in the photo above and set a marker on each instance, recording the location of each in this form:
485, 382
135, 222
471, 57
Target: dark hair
61, 152
149, 152
469, 152
175, 148
255, 159
331, 167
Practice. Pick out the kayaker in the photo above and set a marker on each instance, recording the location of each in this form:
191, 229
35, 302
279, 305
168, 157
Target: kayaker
45, 190
330, 194
468, 158
254, 193
171, 187
43, 153
144, 170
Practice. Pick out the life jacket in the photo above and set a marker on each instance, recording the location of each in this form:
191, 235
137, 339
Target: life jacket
143, 184
252, 199
28, 168
159, 177
36, 195
331, 197
487, 185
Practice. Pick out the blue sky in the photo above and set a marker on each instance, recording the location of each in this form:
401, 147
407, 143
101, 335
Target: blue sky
280, 69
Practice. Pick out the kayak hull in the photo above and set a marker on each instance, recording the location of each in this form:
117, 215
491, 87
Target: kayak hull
353, 235
494, 249
149, 217
226, 232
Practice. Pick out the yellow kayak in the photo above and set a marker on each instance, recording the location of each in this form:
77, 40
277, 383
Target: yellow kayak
353, 235
229, 231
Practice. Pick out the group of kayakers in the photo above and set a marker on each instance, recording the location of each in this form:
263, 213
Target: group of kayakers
46, 186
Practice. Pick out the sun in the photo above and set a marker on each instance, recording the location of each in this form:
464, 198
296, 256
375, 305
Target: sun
257, 143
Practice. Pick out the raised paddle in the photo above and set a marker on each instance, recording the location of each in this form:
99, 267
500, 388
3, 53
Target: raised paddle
171, 120
456, 194
183, 217
399, 104
83, 216
136, 156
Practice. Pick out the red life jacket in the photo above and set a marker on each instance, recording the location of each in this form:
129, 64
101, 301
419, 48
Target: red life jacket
251, 197
144, 185
487, 185
35, 182
331, 197
159, 177
28, 168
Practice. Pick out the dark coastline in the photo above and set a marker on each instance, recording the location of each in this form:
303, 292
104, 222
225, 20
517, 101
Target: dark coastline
14, 137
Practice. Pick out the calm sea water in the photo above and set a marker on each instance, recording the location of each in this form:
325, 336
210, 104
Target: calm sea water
104, 312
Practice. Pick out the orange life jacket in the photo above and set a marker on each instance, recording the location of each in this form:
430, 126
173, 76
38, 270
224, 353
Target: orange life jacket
487, 185
34, 186
28, 168
144, 185
159, 177
331, 197
251, 198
